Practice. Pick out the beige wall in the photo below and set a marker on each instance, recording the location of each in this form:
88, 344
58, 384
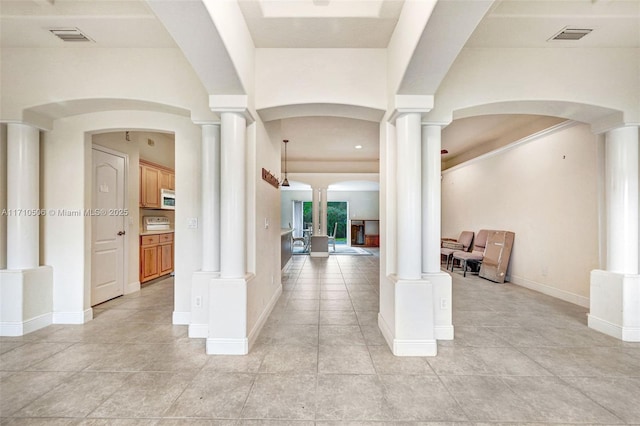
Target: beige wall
546, 192
263, 217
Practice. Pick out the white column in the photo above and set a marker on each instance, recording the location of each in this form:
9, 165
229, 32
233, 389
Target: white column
23, 196
315, 210
431, 199
3, 197
409, 197
323, 206
211, 198
232, 195
621, 183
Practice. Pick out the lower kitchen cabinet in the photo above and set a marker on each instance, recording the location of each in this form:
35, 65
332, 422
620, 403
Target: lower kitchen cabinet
156, 256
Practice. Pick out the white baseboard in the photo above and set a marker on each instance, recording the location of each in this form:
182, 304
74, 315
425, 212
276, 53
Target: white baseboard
385, 330
132, 287
25, 327
631, 334
626, 334
181, 318
11, 329
401, 347
443, 332
255, 331
73, 317
415, 347
604, 326
551, 291
220, 346
198, 331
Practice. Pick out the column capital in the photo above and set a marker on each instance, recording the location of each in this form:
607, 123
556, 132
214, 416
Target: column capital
407, 104
207, 123
238, 104
435, 123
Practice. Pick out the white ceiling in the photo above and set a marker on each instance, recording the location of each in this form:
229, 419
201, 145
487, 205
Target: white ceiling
109, 23
330, 138
318, 24
335, 23
531, 23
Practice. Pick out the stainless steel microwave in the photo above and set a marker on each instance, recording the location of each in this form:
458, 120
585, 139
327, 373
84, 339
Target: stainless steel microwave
167, 199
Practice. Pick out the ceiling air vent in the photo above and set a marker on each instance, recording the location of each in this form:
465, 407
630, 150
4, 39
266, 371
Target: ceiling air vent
571, 34
69, 34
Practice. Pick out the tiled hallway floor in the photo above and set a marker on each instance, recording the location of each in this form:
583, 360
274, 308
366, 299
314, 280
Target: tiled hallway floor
518, 357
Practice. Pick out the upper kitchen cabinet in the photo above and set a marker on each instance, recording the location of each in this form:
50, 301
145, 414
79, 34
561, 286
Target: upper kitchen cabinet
167, 180
153, 178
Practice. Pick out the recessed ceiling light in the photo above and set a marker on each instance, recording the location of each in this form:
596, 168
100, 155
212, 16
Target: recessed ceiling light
358, 146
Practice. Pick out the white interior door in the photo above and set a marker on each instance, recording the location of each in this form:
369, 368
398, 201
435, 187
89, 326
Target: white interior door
107, 226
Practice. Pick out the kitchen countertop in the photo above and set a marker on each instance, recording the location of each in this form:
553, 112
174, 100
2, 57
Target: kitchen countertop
168, 231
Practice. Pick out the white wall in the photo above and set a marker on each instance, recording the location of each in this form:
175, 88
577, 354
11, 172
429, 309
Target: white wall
482, 76
32, 77
546, 192
264, 259
304, 76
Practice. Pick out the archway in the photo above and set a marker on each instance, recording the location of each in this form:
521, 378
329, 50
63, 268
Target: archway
575, 161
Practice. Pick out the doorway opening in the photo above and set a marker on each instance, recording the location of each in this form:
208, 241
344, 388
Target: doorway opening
337, 214
149, 166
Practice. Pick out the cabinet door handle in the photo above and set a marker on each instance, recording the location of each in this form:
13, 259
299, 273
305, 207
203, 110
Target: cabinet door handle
121, 232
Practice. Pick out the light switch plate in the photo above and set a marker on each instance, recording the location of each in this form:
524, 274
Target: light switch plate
192, 222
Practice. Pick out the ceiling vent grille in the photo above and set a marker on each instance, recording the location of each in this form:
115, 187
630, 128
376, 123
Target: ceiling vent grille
70, 34
571, 34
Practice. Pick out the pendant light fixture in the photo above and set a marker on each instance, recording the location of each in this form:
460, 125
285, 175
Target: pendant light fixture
285, 182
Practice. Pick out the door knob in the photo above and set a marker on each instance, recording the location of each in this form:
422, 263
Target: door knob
121, 233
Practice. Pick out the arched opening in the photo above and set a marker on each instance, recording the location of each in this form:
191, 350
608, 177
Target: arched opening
541, 177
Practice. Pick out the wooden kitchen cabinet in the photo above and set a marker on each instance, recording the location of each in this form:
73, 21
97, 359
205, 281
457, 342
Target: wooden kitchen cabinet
167, 180
156, 256
153, 178
365, 233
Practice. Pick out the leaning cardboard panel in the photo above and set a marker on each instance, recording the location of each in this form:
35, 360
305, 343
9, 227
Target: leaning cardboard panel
496, 255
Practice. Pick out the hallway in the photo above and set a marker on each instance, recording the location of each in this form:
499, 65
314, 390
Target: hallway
518, 356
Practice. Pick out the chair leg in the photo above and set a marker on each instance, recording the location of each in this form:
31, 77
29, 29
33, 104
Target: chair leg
464, 273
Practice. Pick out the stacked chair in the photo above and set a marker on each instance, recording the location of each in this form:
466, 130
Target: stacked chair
476, 255
450, 246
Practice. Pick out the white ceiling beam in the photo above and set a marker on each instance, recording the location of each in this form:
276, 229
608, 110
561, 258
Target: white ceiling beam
447, 31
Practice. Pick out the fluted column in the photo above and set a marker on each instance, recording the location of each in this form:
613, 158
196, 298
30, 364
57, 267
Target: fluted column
233, 261
409, 196
622, 200
23, 196
431, 198
211, 198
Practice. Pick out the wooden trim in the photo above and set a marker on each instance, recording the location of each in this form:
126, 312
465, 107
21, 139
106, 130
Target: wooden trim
156, 165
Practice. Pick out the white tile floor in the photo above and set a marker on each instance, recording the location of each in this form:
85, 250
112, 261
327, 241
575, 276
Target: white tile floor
519, 357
